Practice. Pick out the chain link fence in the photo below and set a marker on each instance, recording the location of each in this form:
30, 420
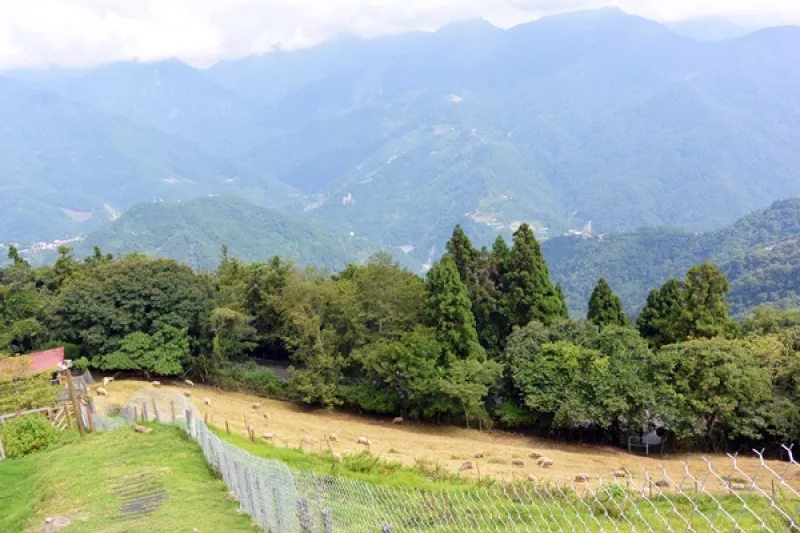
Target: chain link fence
282, 500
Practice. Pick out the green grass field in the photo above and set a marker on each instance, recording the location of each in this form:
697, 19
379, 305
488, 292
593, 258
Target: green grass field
108, 483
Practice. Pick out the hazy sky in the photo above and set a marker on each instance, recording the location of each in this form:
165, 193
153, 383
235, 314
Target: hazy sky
87, 32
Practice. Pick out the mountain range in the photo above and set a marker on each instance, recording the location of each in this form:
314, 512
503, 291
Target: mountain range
594, 116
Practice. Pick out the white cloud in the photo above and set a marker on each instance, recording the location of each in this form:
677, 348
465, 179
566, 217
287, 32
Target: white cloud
86, 32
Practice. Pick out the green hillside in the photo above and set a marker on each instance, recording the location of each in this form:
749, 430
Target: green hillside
194, 231
759, 253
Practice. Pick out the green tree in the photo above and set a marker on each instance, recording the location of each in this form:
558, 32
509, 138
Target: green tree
232, 335
98, 257
65, 267
97, 309
705, 310
465, 256
529, 294
605, 307
657, 321
24, 335
15, 258
162, 354
406, 372
450, 311
712, 388
467, 383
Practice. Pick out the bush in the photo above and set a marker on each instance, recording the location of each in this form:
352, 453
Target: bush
27, 434
250, 377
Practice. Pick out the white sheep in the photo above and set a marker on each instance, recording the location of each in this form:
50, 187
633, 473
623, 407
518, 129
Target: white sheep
397, 420
478, 455
267, 436
333, 437
187, 393
532, 478
256, 405
663, 483
207, 401
582, 478
101, 391
106, 381
156, 383
546, 463
517, 462
189, 382
466, 465
364, 440
266, 416
619, 474
535, 455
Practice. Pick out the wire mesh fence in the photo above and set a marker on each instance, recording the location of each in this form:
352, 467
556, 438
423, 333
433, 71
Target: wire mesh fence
282, 500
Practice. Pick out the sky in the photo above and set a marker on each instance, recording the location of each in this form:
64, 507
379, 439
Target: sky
79, 33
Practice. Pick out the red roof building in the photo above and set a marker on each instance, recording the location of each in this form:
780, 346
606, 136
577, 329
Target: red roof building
39, 362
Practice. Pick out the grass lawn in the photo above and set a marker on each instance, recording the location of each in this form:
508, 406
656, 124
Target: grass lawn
119, 481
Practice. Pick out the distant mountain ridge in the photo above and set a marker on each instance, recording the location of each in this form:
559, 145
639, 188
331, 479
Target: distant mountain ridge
194, 231
594, 115
760, 253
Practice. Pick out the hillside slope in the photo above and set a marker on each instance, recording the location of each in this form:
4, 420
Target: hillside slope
760, 253
194, 231
62, 162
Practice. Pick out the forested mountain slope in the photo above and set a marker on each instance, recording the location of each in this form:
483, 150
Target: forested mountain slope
594, 115
759, 253
194, 231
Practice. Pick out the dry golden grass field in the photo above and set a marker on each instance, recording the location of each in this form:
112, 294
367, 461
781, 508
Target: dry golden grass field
447, 445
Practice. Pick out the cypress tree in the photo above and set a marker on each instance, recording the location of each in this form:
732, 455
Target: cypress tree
564, 311
705, 310
450, 311
529, 293
658, 320
605, 307
465, 256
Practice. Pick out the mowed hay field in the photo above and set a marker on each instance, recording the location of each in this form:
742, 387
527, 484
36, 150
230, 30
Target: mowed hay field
446, 445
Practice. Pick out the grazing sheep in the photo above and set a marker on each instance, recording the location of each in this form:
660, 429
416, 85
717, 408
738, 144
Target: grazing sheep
266, 416
333, 437
535, 455
517, 462
337, 457
141, 429
189, 382
478, 455
397, 420
306, 440
101, 391
364, 440
546, 463
582, 478
737, 486
619, 473
663, 483
531, 477
267, 436
207, 401
256, 405
106, 381
540, 460
187, 393
156, 383
466, 465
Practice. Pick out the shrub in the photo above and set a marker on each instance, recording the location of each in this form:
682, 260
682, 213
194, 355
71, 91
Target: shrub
27, 434
250, 377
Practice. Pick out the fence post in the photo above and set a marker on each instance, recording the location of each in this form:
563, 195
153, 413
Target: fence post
172, 410
2, 450
189, 423
90, 417
304, 515
145, 414
155, 412
69, 416
327, 520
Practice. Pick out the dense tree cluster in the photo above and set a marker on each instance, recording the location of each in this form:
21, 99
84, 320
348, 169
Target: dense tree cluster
483, 338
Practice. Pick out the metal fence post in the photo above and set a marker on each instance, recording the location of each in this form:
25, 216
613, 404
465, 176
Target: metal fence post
327, 520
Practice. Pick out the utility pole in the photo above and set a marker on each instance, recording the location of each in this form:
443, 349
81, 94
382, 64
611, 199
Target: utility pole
74, 398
